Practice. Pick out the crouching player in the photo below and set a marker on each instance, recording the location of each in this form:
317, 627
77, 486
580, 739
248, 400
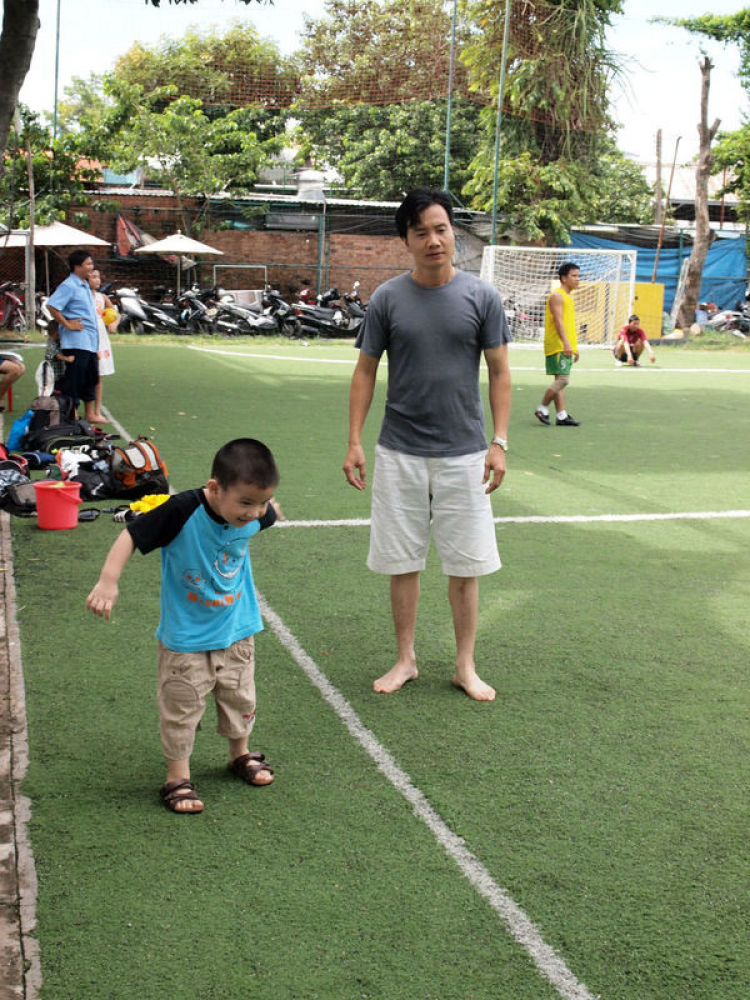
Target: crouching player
209, 611
631, 343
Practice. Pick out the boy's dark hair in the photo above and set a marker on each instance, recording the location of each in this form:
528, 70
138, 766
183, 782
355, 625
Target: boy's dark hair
415, 202
76, 258
565, 269
245, 460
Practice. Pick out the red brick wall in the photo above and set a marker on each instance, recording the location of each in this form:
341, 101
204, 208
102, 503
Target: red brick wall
290, 257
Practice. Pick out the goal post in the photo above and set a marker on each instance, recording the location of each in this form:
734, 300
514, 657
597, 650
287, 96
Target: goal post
525, 276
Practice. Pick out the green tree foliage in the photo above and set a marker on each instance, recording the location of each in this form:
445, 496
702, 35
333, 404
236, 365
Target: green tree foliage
60, 174
374, 93
185, 150
382, 152
731, 154
84, 106
221, 69
557, 156
177, 111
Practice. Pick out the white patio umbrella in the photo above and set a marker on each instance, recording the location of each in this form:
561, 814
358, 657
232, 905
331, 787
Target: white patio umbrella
58, 234
179, 244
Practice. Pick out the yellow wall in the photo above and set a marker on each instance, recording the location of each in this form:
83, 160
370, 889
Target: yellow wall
649, 305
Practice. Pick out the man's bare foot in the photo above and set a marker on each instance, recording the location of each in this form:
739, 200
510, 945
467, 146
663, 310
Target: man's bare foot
98, 418
474, 686
395, 679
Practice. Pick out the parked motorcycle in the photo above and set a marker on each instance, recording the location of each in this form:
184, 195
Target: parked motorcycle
326, 318
353, 304
140, 316
12, 313
195, 314
287, 323
731, 320
44, 317
233, 319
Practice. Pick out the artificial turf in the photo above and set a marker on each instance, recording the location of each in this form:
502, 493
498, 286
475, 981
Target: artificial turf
604, 789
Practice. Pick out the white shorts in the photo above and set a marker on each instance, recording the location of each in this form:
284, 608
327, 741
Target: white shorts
410, 494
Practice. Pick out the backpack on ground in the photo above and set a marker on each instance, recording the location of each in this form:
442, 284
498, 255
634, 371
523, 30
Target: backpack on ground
50, 411
138, 469
68, 435
17, 494
53, 423
126, 472
19, 498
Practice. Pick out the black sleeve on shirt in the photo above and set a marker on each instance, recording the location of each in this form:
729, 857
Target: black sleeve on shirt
268, 518
163, 524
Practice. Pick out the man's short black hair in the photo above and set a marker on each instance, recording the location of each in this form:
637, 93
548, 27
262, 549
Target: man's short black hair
77, 258
247, 461
415, 202
564, 269
634, 319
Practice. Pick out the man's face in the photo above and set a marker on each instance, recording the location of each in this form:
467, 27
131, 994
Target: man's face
84, 269
633, 325
431, 242
572, 280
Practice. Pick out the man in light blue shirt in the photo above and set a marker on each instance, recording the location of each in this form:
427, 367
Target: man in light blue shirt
72, 305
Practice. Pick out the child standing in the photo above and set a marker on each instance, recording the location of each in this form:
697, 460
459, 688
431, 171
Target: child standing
106, 361
57, 360
209, 611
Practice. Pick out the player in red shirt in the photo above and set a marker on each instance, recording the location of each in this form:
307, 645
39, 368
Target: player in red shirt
630, 344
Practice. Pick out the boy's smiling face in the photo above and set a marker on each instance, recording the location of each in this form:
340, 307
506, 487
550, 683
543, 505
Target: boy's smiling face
239, 503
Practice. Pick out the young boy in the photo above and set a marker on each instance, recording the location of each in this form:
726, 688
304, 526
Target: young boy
209, 611
54, 355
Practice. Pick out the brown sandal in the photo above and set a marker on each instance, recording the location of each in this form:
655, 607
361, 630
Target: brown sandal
248, 765
180, 791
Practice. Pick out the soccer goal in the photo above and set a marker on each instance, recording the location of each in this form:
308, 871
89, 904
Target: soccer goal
525, 276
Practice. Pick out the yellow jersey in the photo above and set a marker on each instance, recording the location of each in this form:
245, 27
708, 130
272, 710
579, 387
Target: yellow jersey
552, 342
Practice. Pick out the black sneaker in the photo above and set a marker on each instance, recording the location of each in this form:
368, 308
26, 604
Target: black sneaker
568, 422
541, 416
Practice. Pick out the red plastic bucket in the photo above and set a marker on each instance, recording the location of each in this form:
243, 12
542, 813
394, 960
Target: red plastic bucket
57, 505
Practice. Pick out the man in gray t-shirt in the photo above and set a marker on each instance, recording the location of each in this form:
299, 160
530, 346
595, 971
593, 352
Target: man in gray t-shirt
433, 468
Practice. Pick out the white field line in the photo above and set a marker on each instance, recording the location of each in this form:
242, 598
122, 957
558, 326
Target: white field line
516, 368
522, 929
700, 515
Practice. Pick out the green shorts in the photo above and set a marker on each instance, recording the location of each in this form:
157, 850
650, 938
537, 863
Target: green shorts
558, 364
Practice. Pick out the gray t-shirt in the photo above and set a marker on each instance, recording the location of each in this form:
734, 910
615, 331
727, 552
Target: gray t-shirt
434, 338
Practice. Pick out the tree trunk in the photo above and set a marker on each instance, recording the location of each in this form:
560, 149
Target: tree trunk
686, 315
20, 25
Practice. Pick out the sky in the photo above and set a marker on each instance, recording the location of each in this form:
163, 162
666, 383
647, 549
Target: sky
662, 75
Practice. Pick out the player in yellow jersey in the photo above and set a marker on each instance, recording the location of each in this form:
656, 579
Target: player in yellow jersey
560, 345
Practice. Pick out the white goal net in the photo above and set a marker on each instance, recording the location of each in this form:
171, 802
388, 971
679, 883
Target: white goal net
525, 276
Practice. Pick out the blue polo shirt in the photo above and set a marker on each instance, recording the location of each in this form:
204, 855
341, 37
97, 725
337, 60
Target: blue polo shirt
75, 300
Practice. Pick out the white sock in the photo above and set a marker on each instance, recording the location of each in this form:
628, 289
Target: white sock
562, 414
543, 409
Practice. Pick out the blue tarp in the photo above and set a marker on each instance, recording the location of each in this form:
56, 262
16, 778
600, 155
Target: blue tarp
724, 273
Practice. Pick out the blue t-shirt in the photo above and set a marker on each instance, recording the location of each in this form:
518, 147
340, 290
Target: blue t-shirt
75, 300
208, 596
434, 338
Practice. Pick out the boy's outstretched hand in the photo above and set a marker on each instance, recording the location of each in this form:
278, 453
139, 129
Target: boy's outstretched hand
102, 599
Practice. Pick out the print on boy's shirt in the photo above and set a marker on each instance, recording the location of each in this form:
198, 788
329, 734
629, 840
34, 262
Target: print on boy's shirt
226, 566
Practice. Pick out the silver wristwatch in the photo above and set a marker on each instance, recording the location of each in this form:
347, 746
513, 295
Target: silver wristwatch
501, 441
